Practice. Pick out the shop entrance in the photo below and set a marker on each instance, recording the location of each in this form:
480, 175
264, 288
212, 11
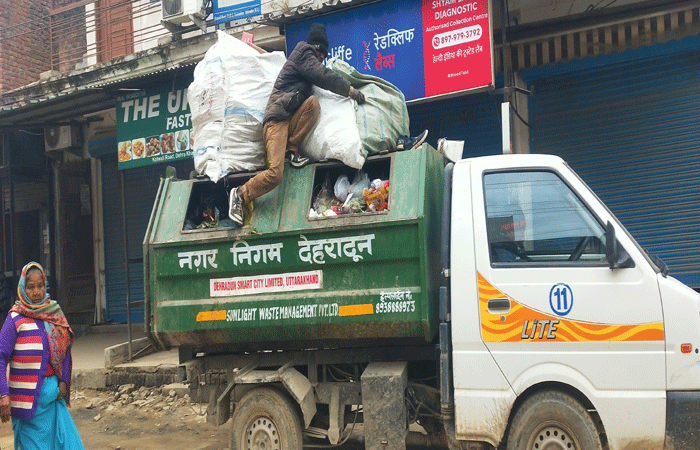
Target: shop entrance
76, 266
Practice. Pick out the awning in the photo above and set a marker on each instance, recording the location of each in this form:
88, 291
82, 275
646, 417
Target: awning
600, 35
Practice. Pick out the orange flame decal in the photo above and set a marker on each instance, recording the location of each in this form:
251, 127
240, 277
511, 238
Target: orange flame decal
494, 329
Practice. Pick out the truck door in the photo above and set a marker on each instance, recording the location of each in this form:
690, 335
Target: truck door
551, 309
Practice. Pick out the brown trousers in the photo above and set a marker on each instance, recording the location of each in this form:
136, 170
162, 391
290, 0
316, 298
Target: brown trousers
280, 137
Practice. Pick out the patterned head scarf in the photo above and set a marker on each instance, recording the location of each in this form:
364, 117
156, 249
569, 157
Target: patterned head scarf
22, 288
59, 333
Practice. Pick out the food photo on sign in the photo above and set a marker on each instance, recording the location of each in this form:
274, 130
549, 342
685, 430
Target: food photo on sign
154, 125
153, 146
138, 148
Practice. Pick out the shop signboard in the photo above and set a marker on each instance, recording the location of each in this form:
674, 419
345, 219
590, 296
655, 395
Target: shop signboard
154, 126
232, 10
426, 48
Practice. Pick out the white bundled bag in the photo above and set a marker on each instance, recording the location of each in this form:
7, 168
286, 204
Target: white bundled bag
335, 135
207, 93
248, 80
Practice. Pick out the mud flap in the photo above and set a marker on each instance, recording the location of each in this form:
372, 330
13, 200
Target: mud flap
682, 420
294, 382
384, 404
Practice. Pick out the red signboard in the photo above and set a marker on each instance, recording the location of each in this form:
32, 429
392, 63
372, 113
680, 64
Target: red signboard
456, 45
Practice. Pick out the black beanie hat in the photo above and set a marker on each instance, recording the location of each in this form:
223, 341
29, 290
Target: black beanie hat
318, 36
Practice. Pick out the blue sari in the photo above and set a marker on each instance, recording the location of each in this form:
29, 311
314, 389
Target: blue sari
51, 428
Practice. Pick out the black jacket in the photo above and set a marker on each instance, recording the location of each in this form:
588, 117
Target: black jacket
293, 85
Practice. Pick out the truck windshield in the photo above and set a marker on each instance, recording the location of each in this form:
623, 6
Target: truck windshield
533, 216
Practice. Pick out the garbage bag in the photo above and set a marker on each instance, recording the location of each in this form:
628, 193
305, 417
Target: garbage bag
383, 117
324, 200
342, 188
359, 184
227, 100
335, 134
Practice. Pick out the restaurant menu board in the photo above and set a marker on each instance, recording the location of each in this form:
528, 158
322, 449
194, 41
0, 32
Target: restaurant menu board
153, 126
426, 48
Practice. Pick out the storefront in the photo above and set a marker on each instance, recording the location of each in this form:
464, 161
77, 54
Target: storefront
153, 126
617, 98
439, 54
39, 187
629, 124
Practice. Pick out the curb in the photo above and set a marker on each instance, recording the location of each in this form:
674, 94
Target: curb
101, 379
118, 354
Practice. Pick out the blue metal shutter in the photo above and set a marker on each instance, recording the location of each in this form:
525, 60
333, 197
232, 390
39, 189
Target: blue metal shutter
474, 119
629, 124
141, 185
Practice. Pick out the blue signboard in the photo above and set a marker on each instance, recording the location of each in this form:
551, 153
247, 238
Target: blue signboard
426, 48
232, 10
365, 42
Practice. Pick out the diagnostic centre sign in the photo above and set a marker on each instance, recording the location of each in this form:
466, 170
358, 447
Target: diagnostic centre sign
426, 48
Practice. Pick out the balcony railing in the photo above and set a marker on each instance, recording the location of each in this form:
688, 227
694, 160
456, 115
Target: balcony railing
64, 35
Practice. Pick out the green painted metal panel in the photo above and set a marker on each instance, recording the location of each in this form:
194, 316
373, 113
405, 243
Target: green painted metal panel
297, 282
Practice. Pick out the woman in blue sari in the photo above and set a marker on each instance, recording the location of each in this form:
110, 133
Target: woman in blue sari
36, 342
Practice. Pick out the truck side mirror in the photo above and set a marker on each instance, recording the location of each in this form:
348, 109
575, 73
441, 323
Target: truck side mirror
610, 245
616, 256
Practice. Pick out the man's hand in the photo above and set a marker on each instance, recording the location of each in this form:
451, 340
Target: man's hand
356, 95
5, 408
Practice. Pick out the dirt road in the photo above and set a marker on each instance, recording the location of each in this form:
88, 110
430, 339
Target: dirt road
146, 420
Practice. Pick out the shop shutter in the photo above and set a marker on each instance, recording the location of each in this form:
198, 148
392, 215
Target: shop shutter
141, 185
629, 124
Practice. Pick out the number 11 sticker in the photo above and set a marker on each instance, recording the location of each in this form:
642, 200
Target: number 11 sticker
561, 299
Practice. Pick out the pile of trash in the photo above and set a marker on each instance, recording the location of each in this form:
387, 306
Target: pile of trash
360, 196
229, 94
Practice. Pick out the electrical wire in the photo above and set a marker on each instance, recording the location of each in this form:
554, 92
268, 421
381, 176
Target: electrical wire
517, 114
85, 23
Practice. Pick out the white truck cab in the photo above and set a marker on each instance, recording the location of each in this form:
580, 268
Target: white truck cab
574, 336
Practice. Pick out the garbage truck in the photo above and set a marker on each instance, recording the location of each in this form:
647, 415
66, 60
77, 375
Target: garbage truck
494, 302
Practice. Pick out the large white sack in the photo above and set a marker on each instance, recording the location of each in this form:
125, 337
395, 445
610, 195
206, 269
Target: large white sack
335, 135
247, 83
206, 95
249, 88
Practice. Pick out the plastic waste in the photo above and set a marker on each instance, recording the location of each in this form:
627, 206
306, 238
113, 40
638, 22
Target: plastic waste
359, 184
342, 187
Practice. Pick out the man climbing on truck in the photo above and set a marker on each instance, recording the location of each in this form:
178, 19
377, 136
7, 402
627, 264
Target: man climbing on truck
290, 114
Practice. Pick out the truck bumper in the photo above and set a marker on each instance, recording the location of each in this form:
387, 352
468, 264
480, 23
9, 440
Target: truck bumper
682, 420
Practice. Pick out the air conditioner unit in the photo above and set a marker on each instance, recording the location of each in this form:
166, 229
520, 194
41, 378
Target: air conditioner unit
63, 137
182, 11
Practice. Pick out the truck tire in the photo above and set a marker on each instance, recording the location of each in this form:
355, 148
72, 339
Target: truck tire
265, 419
552, 420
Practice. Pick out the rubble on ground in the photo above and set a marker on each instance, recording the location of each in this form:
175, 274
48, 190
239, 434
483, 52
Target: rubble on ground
155, 401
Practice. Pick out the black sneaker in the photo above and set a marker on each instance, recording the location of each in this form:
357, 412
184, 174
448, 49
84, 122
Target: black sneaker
411, 143
418, 140
235, 207
402, 142
296, 160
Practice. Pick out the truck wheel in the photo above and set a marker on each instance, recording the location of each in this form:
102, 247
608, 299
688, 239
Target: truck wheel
552, 421
265, 419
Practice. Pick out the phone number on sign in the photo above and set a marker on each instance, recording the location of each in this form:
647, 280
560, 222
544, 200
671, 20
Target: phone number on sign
396, 307
456, 37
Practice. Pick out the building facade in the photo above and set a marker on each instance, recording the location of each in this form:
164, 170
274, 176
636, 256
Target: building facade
614, 90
